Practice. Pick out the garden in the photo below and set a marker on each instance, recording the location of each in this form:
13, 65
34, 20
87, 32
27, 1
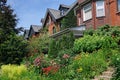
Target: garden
66, 58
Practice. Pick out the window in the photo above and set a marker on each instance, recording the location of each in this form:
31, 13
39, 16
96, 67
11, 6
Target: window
54, 30
100, 8
87, 12
119, 5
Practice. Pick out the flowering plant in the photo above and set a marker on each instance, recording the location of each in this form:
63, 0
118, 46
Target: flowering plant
66, 56
37, 61
50, 69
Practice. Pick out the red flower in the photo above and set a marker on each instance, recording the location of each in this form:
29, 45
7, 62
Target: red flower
47, 70
50, 69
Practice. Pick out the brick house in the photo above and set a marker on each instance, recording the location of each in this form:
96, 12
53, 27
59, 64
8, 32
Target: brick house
95, 13
52, 19
34, 31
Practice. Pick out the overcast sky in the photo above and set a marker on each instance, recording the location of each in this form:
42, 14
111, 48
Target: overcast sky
31, 11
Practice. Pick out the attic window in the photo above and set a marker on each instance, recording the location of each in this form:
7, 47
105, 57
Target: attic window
118, 5
62, 12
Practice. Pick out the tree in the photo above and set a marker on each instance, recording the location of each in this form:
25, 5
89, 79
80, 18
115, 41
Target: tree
69, 20
14, 50
12, 47
8, 21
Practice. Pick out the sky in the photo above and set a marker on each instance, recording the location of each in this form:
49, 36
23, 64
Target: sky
30, 12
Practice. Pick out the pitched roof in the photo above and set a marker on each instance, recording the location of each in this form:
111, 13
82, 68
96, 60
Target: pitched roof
55, 14
36, 28
65, 6
71, 7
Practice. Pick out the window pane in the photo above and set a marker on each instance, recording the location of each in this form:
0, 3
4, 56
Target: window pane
100, 8
100, 12
87, 12
118, 5
88, 15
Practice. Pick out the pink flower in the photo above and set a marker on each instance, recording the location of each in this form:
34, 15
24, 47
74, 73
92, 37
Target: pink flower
37, 62
65, 56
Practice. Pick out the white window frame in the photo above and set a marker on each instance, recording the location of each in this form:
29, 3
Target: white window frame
100, 7
87, 9
118, 5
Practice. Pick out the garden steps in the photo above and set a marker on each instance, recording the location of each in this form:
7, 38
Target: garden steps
106, 75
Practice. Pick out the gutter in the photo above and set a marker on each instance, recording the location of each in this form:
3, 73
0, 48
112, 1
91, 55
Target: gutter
60, 33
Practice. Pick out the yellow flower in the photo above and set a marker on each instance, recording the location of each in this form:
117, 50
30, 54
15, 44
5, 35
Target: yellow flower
78, 57
80, 69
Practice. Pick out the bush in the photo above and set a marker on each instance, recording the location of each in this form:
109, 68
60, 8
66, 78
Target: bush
39, 44
14, 50
61, 44
93, 43
86, 66
52, 49
116, 63
14, 72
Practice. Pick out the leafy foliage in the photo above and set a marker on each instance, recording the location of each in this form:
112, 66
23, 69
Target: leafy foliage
86, 65
63, 43
39, 44
12, 47
52, 49
92, 43
69, 20
104, 37
8, 21
14, 72
13, 50
116, 63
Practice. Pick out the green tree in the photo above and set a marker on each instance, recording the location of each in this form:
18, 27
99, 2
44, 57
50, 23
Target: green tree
13, 50
69, 20
8, 21
12, 47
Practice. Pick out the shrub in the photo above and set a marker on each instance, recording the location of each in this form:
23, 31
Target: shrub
39, 44
52, 49
61, 44
14, 50
93, 43
86, 65
14, 72
116, 63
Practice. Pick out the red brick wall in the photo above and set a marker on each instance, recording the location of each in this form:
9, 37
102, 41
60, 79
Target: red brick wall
51, 25
114, 14
111, 16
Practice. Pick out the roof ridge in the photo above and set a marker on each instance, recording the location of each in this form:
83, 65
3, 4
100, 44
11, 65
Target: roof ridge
53, 9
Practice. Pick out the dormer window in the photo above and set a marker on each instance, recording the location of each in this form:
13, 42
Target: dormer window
62, 12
